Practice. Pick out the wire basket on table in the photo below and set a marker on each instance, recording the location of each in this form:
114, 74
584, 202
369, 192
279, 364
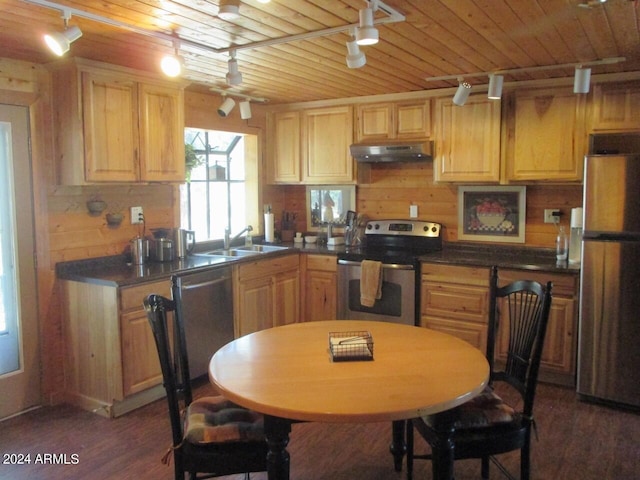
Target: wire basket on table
350, 346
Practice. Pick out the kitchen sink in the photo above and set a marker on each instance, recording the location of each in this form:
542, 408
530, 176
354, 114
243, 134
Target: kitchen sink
231, 252
241, 251
261, 248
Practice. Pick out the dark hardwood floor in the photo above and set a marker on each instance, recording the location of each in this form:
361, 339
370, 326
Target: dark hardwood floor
577, 441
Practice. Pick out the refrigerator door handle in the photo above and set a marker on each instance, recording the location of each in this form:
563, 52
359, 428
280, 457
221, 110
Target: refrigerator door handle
611, 236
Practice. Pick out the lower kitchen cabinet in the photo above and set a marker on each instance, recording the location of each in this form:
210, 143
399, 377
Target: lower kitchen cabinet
320, 281
455, 300
266, 293
111, 362
558, 362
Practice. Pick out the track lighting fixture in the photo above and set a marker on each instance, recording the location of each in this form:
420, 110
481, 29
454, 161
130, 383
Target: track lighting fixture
226, 106
464, 89
355, 57
234, 77
495, 86
367, 34
229, 9
60, 42
581, 79
172, 65
245, 110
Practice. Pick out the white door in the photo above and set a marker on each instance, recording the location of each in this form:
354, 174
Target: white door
19, 351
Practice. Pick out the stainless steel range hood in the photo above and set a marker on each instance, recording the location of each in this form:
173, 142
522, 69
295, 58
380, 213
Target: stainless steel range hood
393, 152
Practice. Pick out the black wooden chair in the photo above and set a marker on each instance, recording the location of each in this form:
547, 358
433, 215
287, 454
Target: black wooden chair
486, 425
211, 435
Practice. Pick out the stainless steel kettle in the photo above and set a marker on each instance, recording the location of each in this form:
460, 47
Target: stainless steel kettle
185, 240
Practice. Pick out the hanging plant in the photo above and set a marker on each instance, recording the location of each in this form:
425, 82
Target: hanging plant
191, 160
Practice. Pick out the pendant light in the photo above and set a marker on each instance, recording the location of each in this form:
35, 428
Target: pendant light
367, 34
60, 42
581, 79
464, 89
234, 77
245, 110
229, 9
226, 106
355, 57
495, 86
172, 65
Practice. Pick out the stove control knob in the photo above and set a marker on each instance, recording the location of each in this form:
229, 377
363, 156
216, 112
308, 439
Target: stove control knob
377, 226
369, 226
434, 229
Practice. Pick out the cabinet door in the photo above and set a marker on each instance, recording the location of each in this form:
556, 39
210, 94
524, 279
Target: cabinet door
375, 122
615, 107
320, 296
110, 128
161, 134
140, 364
467, 141
558, 353
286, 292
413, 120
253, 305
546, 137
285, 150
327, 135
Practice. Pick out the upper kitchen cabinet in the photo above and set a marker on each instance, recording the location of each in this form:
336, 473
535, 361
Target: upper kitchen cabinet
393, 121
616, 107
545, 135
311, 146
284, 128
327, 134
113, 125
467, 140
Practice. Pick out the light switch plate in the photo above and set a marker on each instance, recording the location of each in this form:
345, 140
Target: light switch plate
413, 211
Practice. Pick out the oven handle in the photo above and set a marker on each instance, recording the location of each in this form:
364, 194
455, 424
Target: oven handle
394, 266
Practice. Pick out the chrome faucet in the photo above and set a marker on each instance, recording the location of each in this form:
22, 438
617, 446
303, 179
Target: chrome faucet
227, 234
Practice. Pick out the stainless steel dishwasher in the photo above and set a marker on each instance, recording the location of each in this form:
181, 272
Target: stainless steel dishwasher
207, 312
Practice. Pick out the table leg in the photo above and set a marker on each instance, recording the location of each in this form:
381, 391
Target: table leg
443, 452
277, 431
398, 448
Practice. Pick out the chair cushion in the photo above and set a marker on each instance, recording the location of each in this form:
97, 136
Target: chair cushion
217, 420
485, 410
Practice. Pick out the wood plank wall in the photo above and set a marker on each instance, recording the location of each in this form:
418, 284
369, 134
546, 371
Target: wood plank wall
65, 230
393, 187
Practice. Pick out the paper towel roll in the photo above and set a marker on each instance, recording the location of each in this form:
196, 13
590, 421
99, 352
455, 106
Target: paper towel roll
268, 227
576, 217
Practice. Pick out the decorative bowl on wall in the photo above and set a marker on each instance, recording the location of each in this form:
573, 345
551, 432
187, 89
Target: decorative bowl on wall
114, 219
96, 207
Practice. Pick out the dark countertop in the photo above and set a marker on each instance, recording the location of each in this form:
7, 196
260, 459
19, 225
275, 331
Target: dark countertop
503, 256
117, 272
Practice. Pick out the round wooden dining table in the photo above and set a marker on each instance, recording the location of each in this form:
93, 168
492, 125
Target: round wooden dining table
289, 374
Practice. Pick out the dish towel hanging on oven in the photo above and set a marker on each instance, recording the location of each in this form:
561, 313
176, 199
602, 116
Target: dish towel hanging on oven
370, 282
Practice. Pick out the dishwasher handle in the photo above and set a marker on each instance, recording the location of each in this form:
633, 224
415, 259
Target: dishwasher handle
395, 266
186, 284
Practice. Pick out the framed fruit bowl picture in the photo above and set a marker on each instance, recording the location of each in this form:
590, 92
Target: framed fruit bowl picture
491, 214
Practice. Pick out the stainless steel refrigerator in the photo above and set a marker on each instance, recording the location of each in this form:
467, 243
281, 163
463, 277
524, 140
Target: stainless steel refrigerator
609, 332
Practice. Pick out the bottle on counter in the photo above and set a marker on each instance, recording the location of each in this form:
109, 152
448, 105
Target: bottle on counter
562, 245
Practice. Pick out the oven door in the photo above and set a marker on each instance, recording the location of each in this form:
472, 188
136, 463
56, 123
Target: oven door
398, 301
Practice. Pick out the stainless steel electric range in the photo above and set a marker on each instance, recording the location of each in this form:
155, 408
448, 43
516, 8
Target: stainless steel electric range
398, 245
